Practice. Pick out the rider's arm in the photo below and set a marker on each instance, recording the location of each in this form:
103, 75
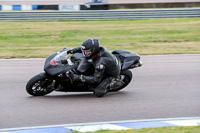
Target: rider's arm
96, 78
74, 50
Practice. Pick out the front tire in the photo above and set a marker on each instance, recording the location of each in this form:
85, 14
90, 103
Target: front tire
39, 85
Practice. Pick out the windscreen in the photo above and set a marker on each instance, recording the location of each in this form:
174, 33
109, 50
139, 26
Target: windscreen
56, 61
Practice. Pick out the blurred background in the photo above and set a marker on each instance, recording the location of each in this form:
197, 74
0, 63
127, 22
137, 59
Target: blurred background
37, 28
93, 4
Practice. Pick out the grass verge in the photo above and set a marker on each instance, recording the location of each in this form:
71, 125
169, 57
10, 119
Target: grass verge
145, 37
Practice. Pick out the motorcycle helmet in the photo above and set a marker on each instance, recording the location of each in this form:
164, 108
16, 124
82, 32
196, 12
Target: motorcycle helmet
90, 47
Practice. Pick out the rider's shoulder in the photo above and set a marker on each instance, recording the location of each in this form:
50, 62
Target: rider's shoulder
103, 52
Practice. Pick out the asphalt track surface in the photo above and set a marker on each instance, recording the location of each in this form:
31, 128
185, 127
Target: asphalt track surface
164, 87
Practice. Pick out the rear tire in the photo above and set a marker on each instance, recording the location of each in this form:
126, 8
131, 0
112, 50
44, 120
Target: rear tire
127, 79
39, 85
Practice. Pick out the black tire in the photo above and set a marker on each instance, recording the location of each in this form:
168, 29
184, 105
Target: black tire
127, 79
39, 85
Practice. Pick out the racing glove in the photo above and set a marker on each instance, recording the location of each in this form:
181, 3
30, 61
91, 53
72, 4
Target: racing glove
70, 51
76, 77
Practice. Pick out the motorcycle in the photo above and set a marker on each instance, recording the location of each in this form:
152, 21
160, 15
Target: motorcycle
59, 68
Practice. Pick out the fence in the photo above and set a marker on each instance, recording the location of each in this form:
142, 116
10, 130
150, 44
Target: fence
91, 15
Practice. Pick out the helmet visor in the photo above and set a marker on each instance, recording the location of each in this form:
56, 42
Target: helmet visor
86, 52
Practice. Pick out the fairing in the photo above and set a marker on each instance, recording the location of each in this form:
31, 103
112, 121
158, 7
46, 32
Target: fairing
54, 67
83, 65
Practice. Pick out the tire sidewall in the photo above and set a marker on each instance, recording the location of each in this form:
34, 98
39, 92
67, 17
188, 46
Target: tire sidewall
32, 81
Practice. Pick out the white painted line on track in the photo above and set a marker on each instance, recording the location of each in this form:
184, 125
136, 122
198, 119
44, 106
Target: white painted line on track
92, 128
184, 122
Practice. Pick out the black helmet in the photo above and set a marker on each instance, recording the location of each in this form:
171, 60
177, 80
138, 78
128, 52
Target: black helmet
90, 47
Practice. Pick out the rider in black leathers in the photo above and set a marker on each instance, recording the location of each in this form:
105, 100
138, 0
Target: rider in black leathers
106, 65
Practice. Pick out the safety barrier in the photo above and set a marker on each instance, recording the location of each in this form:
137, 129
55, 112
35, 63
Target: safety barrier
91, 15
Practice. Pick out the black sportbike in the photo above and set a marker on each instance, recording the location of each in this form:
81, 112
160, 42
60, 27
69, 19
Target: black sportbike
59, 67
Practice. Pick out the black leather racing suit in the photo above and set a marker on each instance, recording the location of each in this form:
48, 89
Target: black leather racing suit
106, 66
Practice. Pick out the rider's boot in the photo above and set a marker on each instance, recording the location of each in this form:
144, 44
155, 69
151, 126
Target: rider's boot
102, 88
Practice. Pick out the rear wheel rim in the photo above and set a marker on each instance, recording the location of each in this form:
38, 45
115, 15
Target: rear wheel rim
123, 78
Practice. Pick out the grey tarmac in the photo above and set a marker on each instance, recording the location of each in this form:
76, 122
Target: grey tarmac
166, 86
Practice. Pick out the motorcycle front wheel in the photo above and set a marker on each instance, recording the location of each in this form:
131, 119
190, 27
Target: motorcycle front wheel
39, 85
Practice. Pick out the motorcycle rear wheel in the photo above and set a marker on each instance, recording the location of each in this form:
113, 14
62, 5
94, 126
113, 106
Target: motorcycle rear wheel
127, 74
39, 85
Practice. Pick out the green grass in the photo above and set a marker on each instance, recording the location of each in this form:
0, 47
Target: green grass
154, 130
145, 37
